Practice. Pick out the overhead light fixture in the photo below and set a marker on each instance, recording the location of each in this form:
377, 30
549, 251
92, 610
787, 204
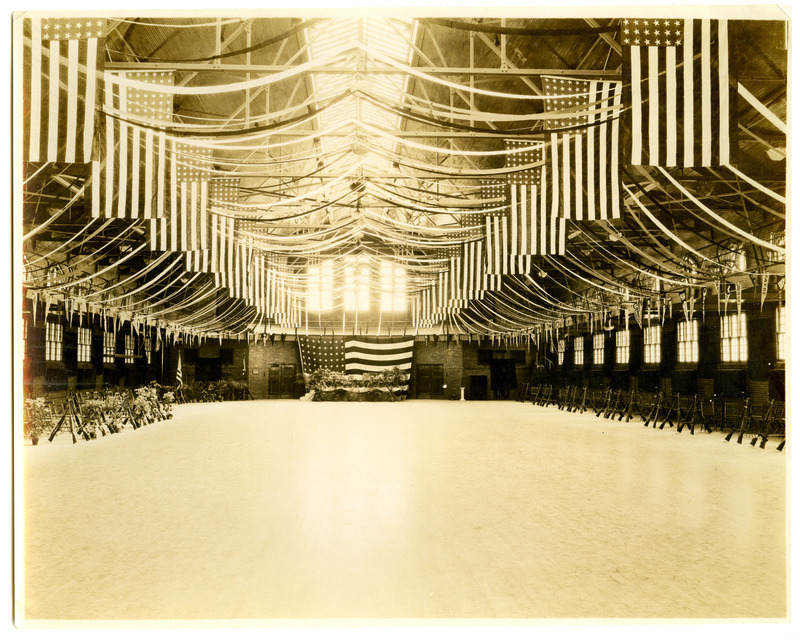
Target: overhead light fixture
776, 153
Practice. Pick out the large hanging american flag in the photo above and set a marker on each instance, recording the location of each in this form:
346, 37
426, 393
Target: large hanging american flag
61, 66
221, 231
681, 97
368, 354
186, 228
130, 178
535, 227
355, 355
587, 157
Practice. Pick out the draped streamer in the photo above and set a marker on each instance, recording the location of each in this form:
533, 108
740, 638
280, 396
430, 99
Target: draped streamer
757, 185
331, 57
736, 230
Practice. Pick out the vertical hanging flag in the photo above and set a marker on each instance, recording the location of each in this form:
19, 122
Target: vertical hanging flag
681, 97
179, 373
586, 142
129, 180
186, 228
222, 194
473, 277
62, 64
534, 202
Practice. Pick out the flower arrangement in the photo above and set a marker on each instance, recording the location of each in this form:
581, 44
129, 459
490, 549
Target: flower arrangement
389, 384
37, 419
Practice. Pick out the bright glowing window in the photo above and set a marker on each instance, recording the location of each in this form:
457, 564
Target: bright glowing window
320, 287
688, 343
734, 338
356, 284
578, 350
623, 346
598, 348
562, 350
54, 342
109, 346
84, 345
393, 287
780, 331
130, 347
652, 345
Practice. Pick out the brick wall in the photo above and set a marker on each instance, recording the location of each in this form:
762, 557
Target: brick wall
264, 355
449, 356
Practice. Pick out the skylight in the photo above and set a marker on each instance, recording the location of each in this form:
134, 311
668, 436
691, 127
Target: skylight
381, 36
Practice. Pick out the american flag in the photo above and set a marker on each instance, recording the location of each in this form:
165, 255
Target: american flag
280, 302
587, 158
130, 179
321, 352
536, 227
355, 355
680, 92
222, 229
186, 228
179, 373
507, 245
62, 61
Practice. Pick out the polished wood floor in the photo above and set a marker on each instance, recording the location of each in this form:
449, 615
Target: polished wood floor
416, 510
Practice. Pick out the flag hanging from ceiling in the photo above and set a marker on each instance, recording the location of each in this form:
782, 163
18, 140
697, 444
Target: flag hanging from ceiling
186, 228
130, 179
62, 65
585, 149
535, 226
508, 249
222, 228
682, 101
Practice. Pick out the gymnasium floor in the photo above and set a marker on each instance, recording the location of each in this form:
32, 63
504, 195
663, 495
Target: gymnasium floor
443, 509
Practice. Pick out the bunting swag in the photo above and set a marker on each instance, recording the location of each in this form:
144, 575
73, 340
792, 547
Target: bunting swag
130, 181
589, 155
61, 64
680, 94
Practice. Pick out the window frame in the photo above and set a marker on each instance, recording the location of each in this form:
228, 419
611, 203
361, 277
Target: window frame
729, 343
109, 347
618, 348
393, 280
84, 347
649, 346
692, 327
129, 349
780, 333
54, 342
598, 337
579, 347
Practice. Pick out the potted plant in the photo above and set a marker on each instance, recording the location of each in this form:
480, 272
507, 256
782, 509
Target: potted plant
37, 419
